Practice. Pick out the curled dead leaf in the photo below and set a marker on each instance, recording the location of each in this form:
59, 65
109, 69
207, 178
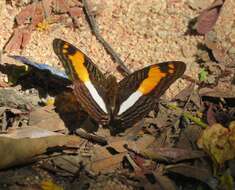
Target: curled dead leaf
208, 17
202, 174
21, 151
171, 154
219, 142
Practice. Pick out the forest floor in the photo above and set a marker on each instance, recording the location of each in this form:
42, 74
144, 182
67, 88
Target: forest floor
174, 147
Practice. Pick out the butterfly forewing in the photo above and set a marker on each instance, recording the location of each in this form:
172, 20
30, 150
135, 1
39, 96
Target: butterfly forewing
87, 80
139, 92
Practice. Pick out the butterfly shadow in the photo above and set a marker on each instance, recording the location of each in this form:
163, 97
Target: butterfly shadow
46, 84
72, 114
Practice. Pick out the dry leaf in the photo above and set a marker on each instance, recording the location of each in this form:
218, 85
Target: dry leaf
21, 151
104, 160
107, 164
60, 6
208, 17
165, 182
31, 14
19, 39
221, 38
219, 142
222, 90
28, 132
201, 174
24, 16
47, 6
171, 154
75, 12
141, 144
46, 118
210, 115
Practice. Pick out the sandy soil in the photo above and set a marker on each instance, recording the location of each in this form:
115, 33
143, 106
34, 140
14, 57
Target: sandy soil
141, 32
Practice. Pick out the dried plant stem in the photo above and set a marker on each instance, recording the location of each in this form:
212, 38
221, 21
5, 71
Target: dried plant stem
189, 116
95, 31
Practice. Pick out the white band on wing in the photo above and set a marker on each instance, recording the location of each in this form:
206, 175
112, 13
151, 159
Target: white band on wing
96, 96
130, 101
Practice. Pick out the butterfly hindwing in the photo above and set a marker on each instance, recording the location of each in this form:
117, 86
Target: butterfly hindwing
87, 80
139, 92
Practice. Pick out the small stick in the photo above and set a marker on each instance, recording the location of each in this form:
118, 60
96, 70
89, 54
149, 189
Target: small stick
196, 120
108, 48
91, 137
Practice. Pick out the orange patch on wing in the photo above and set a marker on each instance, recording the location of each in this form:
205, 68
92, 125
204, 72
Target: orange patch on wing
65, 51
78, 64
65, 46
154, 77
171, 66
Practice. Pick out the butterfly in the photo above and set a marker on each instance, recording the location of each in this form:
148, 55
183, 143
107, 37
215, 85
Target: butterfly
118, 105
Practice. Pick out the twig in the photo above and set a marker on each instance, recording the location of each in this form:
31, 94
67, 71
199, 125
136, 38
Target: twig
190, 79
91, 137
95, 31
196, 120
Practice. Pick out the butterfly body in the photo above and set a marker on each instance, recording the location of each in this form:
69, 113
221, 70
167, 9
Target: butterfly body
118, 105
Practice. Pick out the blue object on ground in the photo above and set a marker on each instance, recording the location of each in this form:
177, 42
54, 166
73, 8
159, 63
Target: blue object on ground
41, 66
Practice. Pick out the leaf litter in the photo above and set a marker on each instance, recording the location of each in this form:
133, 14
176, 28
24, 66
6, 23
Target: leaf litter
35, 16
169, 149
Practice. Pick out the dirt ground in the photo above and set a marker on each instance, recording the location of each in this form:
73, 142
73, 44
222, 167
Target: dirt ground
141, 33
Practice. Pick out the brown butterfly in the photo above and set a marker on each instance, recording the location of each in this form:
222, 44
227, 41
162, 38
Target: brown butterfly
117, 105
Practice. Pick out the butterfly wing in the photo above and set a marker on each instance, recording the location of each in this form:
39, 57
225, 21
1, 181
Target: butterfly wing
139, 92
87, 80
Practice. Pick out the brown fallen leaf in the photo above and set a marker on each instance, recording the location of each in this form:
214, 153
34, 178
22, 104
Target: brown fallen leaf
222, 90
19, 39
144, 168
60, 6
75, 11
208, 17
159, 183
141, 144
39, 14
28, 132
186, 170
21, 151
140, 164
219, 142
164, 181
46, 118
107, 164
210, 115
189, 91
104, 160
26, 21
31, 14
172, 155
185, 93
47, 4
221, 38
24, 15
